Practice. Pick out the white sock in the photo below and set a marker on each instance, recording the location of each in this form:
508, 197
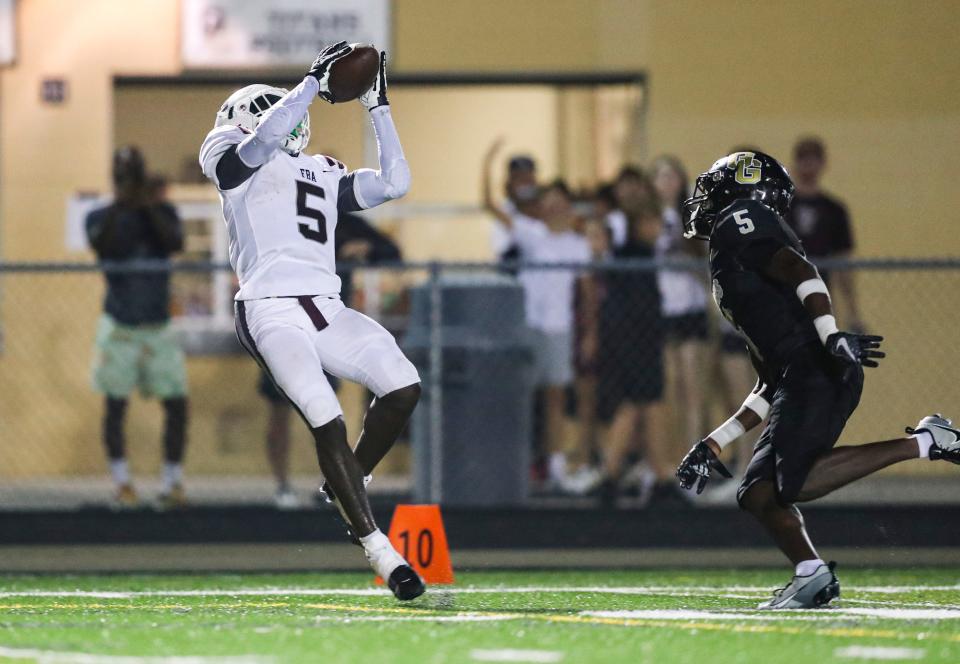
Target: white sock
375, 541
172, 475
808, 567
119, 471
381, 554
557, 466
924, 443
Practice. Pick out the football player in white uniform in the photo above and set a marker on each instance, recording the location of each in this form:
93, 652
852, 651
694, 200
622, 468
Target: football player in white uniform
281, 209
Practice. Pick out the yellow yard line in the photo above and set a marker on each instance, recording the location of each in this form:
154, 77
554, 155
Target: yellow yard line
840, 632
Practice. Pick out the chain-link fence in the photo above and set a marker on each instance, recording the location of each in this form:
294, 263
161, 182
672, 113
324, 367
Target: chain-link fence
538, 381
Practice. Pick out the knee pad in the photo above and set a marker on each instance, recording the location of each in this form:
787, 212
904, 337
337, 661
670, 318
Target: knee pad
319, 409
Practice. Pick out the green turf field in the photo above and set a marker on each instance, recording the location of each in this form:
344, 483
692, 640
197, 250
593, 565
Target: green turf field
593, 616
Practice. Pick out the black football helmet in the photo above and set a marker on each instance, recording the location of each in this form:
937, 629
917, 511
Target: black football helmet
752, 175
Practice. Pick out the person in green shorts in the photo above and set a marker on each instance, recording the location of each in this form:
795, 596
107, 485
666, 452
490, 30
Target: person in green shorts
135, 348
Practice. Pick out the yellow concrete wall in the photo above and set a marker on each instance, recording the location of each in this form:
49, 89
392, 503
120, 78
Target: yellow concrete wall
876, 78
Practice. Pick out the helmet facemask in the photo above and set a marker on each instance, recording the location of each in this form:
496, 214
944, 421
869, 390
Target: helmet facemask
247, 106
698, 210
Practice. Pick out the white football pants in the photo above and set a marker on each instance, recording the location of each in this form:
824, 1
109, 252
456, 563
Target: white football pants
296, 338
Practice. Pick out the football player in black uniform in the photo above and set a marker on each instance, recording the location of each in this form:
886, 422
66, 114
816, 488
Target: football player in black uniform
810, 373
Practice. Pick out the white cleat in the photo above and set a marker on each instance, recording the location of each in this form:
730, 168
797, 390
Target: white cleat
807, 592
946, 438
286, 499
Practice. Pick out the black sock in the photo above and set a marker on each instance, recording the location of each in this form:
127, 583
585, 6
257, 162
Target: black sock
113, 417
175, 429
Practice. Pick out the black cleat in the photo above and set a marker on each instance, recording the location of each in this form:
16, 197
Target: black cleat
406, 584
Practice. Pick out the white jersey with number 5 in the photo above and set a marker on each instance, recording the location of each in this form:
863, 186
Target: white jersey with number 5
281, 220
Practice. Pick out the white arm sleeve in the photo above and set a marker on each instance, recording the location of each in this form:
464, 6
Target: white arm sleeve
371, 187
277, 123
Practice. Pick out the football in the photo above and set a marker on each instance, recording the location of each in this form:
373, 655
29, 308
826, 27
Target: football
353, 74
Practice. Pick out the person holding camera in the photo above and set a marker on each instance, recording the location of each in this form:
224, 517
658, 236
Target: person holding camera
135, 347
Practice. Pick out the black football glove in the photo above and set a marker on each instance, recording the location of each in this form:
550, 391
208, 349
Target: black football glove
697, 465
377, 94
855, 349
320, 69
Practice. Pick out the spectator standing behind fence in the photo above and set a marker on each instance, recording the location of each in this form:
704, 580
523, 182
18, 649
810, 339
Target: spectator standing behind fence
630, 188
356, 242
549, 301
522, 198
587, 313
821, 222
631, 360
683, 302
135, 347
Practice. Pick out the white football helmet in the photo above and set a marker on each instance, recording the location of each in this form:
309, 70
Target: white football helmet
246, 106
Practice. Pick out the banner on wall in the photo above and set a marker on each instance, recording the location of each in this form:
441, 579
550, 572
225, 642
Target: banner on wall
8, 50
249, 34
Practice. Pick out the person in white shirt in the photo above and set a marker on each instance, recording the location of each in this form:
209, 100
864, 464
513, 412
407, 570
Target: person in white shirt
281, 208
522, 197
683, 300
549, 301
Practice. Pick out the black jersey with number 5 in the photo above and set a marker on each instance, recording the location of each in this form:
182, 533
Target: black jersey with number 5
767, 313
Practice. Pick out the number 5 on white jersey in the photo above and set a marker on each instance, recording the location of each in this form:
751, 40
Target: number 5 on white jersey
744, 223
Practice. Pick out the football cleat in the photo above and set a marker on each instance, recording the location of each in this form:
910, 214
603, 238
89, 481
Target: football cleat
286, 499
174, 499
807, 592
125, 497
406, 584
403, 581
946, 439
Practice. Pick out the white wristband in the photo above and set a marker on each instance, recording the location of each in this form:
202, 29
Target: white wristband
826, 325
811, 286
757, 404
727, 432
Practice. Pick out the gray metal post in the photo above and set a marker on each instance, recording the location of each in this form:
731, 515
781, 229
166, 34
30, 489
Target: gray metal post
436, 385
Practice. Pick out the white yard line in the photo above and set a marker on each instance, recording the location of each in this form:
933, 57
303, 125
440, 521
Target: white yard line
514, 655
57, 657
889, 602
682, 614
802, 614
904, 614
458, 618
714, 591
879, 652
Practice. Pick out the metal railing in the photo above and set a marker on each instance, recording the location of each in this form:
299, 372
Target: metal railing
50, 419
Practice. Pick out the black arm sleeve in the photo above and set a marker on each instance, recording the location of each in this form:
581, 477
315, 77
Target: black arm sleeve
353, 227
231, 171
346, 198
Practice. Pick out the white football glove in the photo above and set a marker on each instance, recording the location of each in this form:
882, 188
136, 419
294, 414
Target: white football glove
377, 94
320, 69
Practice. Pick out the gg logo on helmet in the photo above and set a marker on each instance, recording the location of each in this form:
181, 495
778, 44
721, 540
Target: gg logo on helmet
748, 168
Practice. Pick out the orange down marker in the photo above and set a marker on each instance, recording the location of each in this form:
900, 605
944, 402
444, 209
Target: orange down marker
416, 531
